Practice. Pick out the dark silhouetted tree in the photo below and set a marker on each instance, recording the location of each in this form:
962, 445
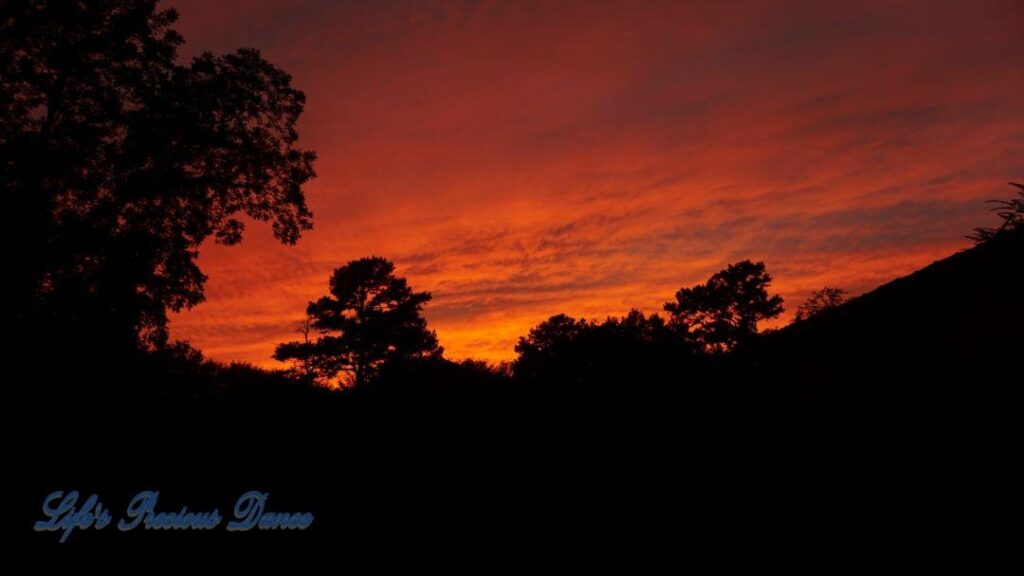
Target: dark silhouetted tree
724, 312
549, 335
819, 300
568, 357
371, 317
119, 162
1010, 211
548, 353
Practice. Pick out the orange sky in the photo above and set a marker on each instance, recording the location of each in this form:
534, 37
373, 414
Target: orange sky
523, 159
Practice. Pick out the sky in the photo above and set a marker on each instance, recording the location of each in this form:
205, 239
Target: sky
522, 159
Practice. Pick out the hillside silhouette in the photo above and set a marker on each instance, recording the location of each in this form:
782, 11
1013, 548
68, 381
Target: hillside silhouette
948, 337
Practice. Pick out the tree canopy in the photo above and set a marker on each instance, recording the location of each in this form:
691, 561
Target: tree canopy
119, 162
370, 317
724, 311
565, 355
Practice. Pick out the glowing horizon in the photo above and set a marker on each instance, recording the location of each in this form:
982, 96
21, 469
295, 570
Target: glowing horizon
522, 160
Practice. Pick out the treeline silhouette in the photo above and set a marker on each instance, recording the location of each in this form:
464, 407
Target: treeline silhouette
119, 162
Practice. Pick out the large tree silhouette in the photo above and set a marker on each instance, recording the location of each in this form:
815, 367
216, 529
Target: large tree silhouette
371, 317
119, 162
725, 310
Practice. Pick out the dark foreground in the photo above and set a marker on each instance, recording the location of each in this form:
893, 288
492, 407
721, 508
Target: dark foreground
881, 421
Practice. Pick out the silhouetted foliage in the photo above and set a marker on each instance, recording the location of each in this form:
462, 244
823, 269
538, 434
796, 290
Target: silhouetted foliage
566, 357
119, 162
547, 337
1010, 211
724, 311
547, 354
819, 300
371, 317
304, 367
